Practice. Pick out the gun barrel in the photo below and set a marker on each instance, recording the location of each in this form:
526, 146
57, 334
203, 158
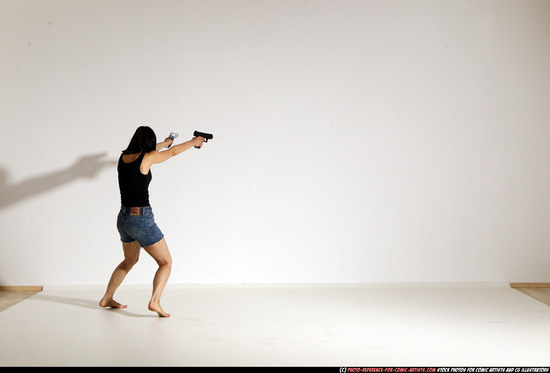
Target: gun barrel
207, 136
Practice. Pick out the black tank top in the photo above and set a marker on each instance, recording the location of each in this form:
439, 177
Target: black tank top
133, 185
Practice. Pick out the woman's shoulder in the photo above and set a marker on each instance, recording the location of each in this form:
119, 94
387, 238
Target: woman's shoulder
130, 158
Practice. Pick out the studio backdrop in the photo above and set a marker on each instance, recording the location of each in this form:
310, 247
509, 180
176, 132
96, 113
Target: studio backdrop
357, 141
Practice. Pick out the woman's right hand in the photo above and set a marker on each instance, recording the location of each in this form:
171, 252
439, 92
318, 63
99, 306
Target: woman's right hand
198, 141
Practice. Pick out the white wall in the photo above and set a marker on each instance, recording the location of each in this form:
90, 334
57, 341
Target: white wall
355, 141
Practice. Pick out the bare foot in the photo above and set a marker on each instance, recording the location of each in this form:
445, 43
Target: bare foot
109, 302
158, 309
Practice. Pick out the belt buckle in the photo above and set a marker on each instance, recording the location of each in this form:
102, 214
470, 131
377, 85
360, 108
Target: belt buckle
135, 211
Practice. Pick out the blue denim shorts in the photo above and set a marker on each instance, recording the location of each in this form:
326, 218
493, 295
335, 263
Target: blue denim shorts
138, 224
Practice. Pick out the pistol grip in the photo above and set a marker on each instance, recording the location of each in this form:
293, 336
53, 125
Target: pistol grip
198, 147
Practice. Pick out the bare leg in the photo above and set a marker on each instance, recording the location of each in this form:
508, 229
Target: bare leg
131, 256
160, 253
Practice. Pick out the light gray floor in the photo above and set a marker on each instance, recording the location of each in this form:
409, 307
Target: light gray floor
280, 325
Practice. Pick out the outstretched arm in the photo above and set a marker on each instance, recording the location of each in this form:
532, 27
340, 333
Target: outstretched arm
165, 144
158, 157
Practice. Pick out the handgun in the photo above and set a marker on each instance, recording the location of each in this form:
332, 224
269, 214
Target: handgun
207, 136
172, 136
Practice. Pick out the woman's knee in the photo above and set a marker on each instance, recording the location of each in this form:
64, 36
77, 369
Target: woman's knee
159, 251
131, 254
165, 262
129, 262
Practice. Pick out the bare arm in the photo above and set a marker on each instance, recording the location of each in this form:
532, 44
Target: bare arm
165, 144
158, 157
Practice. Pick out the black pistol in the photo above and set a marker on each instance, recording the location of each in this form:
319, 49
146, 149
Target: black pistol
207, 136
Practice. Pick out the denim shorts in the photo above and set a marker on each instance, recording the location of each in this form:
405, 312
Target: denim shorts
138, 224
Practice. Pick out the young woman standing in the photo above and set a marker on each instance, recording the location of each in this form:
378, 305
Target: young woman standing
136, 222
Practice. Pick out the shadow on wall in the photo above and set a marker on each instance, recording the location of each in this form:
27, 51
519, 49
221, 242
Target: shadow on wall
87, 166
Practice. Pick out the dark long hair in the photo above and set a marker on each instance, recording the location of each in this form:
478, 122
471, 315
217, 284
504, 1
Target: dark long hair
144, 140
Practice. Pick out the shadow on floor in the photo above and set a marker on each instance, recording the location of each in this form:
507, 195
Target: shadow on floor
86, 303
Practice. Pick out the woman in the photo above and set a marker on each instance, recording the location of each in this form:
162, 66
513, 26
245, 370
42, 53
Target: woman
135, 222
